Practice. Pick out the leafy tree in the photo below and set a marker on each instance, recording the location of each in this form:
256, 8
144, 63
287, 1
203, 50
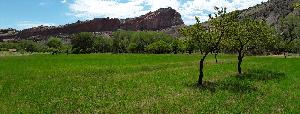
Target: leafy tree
136, 42
177, 46
208, 37
82, 43
55, 44
9, 45
290, 27
296, 5
29, 45
133, 48
121, 40
102, 44
189, 45
159, 47
247, 35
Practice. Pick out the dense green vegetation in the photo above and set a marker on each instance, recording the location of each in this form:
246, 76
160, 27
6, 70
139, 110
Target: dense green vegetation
130, 83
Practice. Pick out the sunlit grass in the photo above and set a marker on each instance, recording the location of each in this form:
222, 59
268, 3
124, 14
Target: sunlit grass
132, 83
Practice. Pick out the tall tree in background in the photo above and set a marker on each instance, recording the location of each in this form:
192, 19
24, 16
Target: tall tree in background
208, 37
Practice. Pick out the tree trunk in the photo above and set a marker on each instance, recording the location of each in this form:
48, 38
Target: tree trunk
285, 55
200, 80
240, 60
216, 54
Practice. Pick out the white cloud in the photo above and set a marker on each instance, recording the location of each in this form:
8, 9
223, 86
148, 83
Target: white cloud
29, 24
88, 9
106, 8
63, 1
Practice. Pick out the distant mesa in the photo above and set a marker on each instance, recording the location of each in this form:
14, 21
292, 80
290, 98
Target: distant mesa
162, 18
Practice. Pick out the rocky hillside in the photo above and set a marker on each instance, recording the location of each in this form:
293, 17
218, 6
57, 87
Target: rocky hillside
161, 19
271, 11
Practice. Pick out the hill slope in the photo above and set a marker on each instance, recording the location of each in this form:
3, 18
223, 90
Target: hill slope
271, 11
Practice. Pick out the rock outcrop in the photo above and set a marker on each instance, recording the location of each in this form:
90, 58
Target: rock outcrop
271, 11
161, 19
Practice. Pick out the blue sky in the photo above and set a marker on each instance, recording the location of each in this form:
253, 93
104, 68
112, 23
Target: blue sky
21, 14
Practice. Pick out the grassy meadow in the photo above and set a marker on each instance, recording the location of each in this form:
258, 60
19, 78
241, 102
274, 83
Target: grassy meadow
140, 83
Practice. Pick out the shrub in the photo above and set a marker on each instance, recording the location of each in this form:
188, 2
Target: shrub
3, 49
159, 47
29, 46
178, 46
55, 43
133, 48
82, 43
102, 44
136, 42
121, 41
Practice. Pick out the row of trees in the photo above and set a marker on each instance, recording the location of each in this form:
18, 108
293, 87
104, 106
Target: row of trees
230, 33
127, 42
54, 45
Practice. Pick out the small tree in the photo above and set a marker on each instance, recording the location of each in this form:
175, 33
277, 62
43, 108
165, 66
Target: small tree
177, 46
82, 43
248, 34
121, 40
55, 44
102, 44
208, 37
159, 47
29, 45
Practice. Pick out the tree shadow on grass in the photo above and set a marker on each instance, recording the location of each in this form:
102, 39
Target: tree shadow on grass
231, 85
241, 83
261, 75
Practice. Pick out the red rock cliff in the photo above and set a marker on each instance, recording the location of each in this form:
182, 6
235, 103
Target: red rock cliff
157, 20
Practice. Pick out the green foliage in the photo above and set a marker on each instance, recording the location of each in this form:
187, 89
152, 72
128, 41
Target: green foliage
3, 49
121, 40
24, 45
290, 27
82, 43
9, 45
207, 37
102, 44
178, 46
133, 47
190, 45
159, 47
247, 35
296, 5
29, 46
55, 43
136, 42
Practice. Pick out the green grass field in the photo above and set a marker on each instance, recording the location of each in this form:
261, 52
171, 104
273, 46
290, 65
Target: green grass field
129, 83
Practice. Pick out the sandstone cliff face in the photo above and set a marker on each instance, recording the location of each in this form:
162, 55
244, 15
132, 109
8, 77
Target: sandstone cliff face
96, 25
158, 20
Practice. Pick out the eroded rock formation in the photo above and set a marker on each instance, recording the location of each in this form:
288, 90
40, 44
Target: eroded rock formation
161, 19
